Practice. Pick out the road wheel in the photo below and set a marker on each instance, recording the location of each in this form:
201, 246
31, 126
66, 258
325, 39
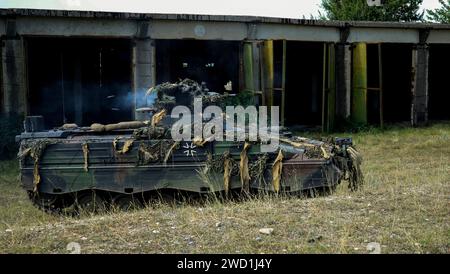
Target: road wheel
46, 202
127, 203
90, 203
42, 200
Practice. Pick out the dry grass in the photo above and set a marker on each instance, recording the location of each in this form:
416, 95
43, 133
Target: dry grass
404, 206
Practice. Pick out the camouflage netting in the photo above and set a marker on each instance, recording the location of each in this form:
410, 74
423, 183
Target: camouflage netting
345, 158
151, 132
216, 164
169, 95
158, 152
257, 168
85, 147
349, 161
34, 149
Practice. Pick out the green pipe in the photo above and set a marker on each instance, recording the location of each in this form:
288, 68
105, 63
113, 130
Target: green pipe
248, 67
359, 81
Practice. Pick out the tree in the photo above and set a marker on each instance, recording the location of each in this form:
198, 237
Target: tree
441, 15
358, 10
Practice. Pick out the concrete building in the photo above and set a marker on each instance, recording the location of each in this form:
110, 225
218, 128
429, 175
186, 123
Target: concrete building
84, 67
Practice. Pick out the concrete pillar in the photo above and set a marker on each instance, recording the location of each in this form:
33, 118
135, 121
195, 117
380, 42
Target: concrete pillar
343, 80
143, 68
419, 109
14, 83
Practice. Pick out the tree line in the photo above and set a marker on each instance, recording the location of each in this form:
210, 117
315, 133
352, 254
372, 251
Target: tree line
390, 10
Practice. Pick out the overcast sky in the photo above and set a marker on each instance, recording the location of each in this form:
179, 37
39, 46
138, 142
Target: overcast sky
274, 8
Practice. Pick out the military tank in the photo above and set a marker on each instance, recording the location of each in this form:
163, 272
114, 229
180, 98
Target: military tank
125, 165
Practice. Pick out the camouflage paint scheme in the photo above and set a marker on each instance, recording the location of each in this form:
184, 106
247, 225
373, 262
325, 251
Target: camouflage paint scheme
62, 170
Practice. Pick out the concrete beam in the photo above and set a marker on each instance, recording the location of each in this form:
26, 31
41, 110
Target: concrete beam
212, 18
240, 31
76, 27
420, 62
297, 33
439, 37
218, 30
198, 30
383, 35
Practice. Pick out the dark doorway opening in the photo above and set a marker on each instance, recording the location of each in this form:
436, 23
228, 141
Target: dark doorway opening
439, 84
2, 106
397, 98
304, 83
215, 63
80, 80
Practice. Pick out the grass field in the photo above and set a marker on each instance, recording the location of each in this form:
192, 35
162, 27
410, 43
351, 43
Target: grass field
404, 207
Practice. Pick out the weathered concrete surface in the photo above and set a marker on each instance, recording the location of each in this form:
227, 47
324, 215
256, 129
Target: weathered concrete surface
218, 18
198, 30
76, 27
181, 26
297, 33
14, 76
420, 85
383, 35
439, 37
143, 67
343, 80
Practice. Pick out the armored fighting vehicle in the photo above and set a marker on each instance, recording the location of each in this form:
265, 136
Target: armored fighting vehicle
129, 163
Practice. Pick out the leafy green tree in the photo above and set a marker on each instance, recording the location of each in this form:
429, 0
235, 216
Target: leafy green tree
358, 10
441, 15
